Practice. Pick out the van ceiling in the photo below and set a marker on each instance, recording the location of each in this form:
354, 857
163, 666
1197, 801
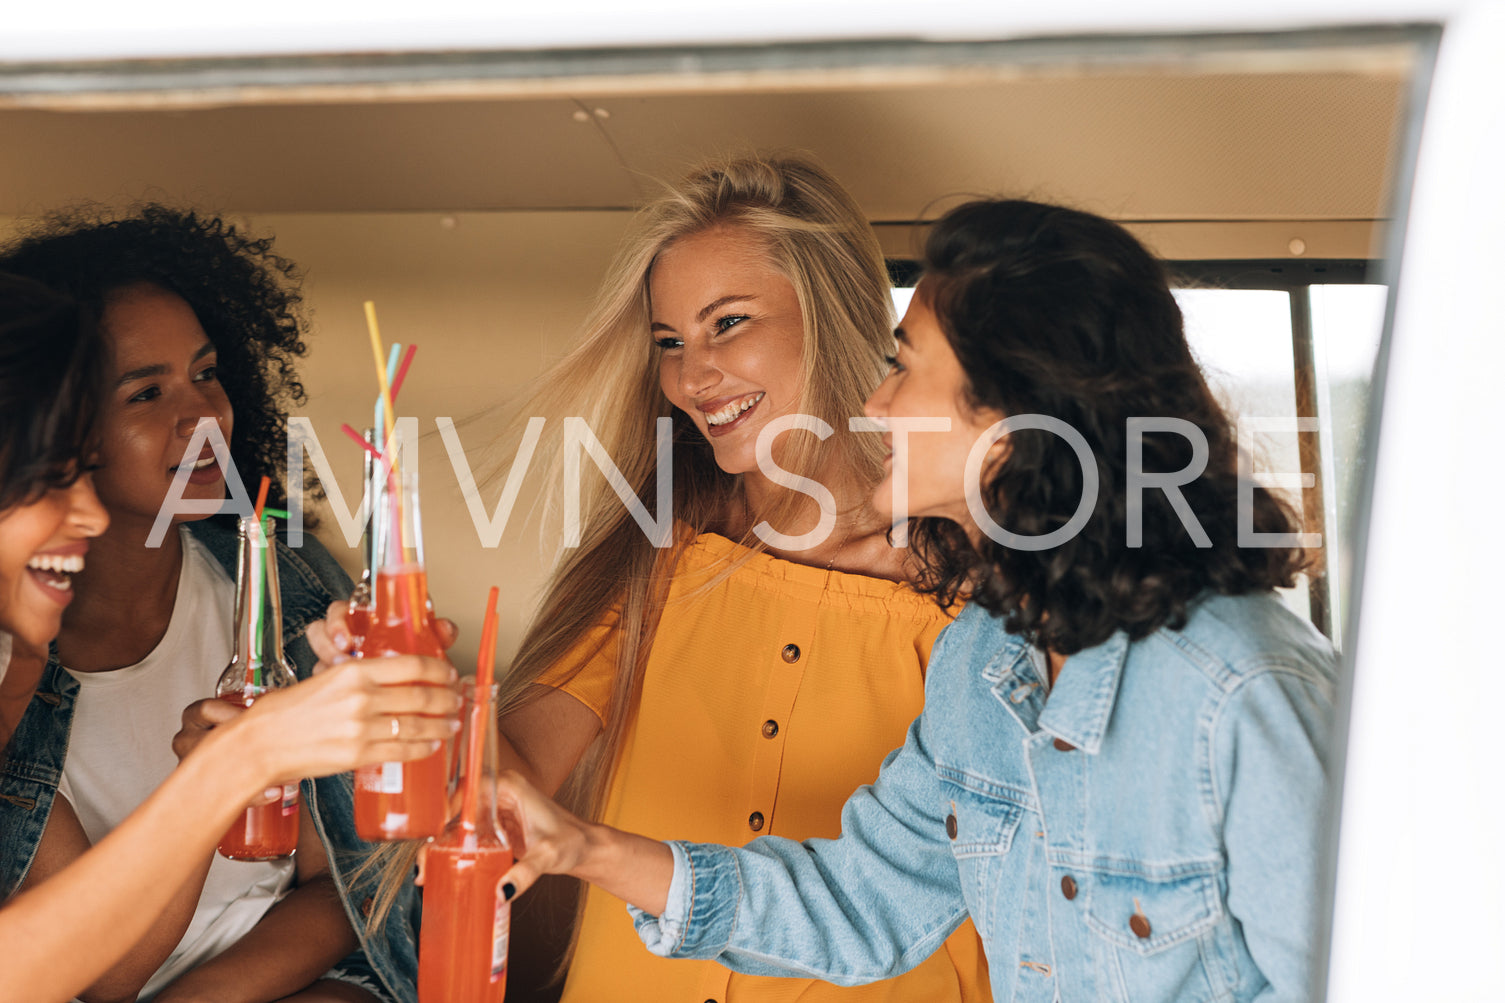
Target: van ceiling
1135, 145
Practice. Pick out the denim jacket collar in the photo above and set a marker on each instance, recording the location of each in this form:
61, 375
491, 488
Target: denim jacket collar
1078, 708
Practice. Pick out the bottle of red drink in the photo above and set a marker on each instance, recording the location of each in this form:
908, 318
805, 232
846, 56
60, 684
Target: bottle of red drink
462, 950
401, 800
265, 832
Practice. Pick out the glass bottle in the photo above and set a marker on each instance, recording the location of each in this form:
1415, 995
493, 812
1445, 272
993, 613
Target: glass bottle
358, 617
462, 951
401, 800
270, 831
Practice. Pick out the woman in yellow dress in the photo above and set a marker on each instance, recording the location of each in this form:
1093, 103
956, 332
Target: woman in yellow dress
739, 674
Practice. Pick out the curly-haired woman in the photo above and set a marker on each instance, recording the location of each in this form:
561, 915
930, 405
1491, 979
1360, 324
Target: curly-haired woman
1120, 771
202, 323
64, 933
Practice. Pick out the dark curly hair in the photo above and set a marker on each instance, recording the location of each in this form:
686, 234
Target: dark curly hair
245, 297
1062, 313
52, 363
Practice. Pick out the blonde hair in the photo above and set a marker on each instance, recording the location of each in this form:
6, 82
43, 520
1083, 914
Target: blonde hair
815, 235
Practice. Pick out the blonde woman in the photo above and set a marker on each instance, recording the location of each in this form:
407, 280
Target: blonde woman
742, 677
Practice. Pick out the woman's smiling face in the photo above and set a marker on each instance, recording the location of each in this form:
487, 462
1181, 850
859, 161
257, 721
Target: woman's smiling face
730, 338
42, 545
164, 380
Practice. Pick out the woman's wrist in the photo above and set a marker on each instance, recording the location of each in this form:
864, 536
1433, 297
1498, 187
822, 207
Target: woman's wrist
598, 854
636, 869
232, 761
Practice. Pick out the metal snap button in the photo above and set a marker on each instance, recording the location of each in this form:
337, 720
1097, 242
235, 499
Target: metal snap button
1140, 924
1068, 887
1063, 745
951, 825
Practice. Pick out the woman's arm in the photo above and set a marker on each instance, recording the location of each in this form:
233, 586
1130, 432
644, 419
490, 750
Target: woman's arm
296, 942
1271, 748
545, 738
869, 905
64, 842
63, 934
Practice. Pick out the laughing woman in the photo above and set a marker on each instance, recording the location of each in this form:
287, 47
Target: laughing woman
728, 684
65, 933
1120, 771
201, 324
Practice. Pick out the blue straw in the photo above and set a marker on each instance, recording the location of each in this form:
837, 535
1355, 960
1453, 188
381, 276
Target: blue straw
392, 358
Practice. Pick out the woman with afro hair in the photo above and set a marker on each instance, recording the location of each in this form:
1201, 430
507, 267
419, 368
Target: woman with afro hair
202, 323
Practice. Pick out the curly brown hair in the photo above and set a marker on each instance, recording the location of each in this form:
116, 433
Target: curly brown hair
1057, 312
245, 296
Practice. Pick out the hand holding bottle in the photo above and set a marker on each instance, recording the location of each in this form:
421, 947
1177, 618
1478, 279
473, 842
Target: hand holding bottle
547, 839
353, 715
330, 637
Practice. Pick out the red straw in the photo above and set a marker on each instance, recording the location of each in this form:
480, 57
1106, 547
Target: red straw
361, 441
402, 370
261, 495
485, 669
485, 673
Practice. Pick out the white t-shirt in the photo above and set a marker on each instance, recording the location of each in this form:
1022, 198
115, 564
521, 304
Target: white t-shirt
120, 750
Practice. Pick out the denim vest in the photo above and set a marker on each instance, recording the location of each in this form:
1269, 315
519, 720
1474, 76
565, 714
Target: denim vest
1151, 830
310, 580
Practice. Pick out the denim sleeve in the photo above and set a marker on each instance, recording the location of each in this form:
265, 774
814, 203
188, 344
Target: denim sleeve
869, 905
1271, 751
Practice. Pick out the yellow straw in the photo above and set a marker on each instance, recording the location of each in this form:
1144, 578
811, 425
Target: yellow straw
386, 396
381, 367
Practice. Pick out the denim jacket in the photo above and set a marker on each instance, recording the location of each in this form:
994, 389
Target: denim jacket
310, 580
1150, 831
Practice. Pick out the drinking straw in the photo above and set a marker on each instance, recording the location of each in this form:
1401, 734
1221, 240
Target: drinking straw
485, 669
261, 495
485, 672
390, 464
258, 588
402, 370
393, 353
361, 441
381, 374
391, 369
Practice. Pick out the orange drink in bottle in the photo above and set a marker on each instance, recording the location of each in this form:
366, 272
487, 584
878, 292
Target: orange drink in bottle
400, 800
462, 950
